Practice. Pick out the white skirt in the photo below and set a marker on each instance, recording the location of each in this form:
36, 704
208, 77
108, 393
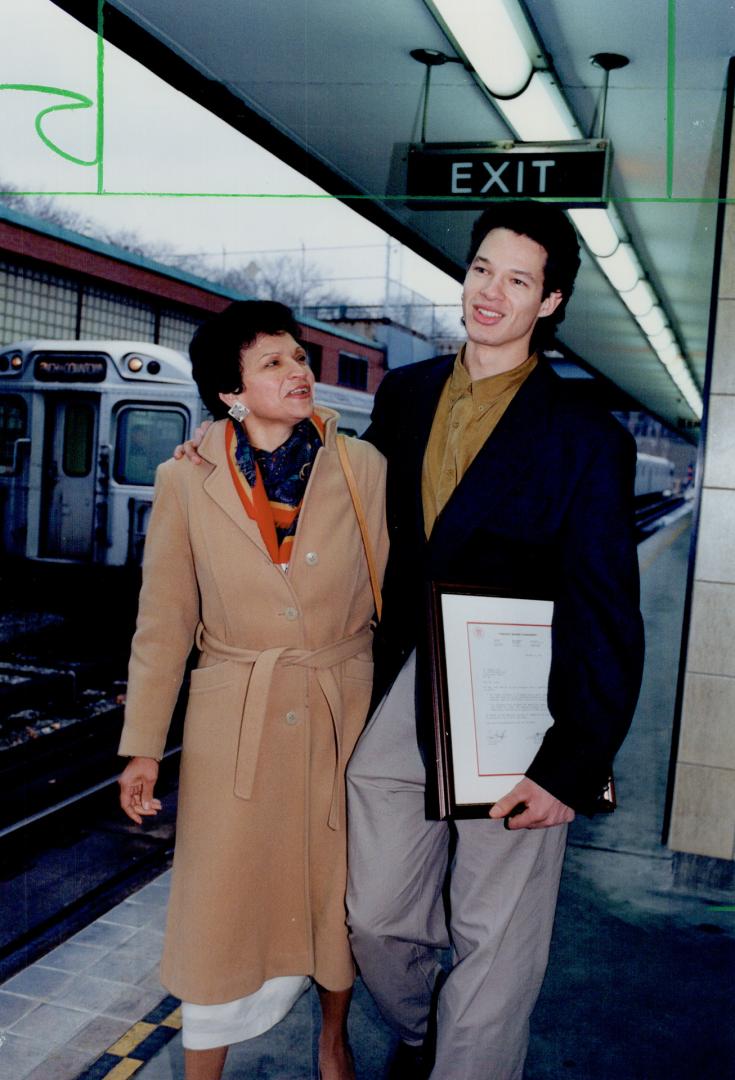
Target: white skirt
207, 1026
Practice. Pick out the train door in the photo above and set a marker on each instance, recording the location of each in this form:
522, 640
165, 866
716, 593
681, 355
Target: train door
69, 467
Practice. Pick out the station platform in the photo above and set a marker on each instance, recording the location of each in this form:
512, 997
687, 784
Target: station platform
640, 981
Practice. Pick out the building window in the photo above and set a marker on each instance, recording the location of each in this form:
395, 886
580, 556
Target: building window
352, 371
35, 303
107, 314
176, 329
13, 421
144, 438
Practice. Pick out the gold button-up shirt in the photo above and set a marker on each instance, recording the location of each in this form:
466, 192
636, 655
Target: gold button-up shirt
466, 416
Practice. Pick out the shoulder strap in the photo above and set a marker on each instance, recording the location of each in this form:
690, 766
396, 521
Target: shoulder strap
360, 514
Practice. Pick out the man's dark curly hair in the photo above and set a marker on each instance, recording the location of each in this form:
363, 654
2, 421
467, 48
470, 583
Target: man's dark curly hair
548, 226
216, 346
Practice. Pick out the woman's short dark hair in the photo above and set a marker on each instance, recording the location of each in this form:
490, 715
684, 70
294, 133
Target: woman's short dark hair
216, 346
548, 226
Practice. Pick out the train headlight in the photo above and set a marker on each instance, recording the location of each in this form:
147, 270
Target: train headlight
135, 364
16, 362
153, 367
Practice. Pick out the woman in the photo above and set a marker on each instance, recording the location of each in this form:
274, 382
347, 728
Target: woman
257, 557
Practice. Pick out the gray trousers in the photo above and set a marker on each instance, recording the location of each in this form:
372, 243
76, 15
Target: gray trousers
502, 896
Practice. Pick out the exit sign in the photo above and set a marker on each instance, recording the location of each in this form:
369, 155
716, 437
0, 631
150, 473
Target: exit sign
461, 176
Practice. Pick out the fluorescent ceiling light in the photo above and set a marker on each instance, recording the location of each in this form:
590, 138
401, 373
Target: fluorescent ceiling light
653, 323
597, 231
540, 113
640, 299
494, 37
621, 268
670, 354
693, 399
681, 376
676, 368
662, 340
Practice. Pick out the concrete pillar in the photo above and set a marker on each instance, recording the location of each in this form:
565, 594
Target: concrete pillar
703, 809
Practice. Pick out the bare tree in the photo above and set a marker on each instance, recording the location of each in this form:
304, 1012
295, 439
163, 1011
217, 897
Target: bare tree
295, 281
47, 208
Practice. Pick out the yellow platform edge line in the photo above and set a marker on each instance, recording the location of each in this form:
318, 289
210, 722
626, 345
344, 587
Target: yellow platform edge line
131, 1039
173, 1020
124, 1069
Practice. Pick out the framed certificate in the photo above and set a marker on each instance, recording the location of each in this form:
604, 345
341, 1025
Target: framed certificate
490, 659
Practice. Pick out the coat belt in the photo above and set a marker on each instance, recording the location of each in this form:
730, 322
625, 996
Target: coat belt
255, 699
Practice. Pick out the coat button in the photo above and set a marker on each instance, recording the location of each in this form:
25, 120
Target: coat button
291, 613
312, 558
291, 718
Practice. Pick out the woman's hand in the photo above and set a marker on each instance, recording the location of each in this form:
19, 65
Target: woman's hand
190, 447
136, 788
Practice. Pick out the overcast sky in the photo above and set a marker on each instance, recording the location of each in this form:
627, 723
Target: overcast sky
157, 140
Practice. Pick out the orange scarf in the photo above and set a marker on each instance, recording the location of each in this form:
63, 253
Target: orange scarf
272, 516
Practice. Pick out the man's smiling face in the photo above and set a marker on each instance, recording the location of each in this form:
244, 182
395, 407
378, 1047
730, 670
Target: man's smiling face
502, 297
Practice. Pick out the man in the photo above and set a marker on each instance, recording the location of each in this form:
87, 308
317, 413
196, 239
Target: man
497, 477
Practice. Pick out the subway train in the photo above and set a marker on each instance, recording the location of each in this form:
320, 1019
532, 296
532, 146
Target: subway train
83, 425
654, 476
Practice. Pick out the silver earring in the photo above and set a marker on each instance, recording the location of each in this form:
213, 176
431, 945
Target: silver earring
238, 411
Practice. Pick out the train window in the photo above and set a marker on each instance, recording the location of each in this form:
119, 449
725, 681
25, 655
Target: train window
352, 371
76, 459
13, 424
145, 437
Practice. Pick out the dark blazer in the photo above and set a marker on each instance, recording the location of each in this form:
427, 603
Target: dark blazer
546, 504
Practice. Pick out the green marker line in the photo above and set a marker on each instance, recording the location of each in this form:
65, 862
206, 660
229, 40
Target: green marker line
671, 98
100, 140
77, 101
349, 197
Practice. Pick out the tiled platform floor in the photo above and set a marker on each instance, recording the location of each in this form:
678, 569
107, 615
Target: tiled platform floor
61, 1013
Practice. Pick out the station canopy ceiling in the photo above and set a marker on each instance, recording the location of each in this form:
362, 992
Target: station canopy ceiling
330, 86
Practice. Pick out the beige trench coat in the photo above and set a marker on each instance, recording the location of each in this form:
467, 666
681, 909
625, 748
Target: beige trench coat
259, 867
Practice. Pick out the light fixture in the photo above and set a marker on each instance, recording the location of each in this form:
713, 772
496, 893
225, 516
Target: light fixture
640, 299
669, 354
540, 112
676, 367
653, 322
597, 230
622, 268
662, 340
494, 37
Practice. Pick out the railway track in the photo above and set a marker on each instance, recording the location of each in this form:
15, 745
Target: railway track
66, 865
651, 509
67, 853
